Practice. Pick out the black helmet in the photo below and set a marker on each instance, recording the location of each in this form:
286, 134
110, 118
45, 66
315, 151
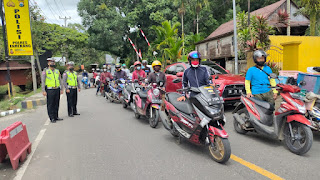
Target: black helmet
259, 53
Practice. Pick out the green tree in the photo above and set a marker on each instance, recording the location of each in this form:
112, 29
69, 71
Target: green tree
312, 8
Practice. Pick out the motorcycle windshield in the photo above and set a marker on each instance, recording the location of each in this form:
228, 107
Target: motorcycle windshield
211, 95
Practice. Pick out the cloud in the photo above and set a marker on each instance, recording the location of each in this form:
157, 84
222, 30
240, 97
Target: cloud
52, 9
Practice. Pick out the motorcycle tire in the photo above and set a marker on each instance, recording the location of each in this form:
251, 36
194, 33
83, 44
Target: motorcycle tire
124, 105
237, 125
220, 149
154, 120
174, 132
298, 130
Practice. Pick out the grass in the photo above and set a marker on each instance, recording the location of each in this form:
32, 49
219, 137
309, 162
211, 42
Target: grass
15, 102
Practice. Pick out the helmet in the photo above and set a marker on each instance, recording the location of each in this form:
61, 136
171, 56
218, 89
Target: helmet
50, 59
144, 62
124, 65
70, 63
194, 55
259, 53
118, 67
156, 63
137, 63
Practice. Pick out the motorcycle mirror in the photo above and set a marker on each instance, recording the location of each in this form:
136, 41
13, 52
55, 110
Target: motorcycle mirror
210, 78
217, 77
273, 76
176, 80
179, 74
302, 83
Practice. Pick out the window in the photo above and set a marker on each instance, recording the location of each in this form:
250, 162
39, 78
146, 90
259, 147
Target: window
171, 70
207, 48
179, 69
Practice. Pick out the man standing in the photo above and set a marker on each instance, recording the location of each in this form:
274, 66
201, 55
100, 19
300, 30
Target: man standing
72, 85
51, 88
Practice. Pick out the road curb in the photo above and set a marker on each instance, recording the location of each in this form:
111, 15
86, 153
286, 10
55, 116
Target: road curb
6, 113
30, 104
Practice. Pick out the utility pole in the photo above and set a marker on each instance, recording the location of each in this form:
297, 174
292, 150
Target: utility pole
289, 12
65, 20
248, 12
6, 48
235, 38
34, 79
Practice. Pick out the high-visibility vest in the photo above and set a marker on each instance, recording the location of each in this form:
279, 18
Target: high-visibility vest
72, 78
52, 78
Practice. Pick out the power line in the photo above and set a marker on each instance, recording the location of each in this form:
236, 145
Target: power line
66, 11
50, 8
42, 13
55, 2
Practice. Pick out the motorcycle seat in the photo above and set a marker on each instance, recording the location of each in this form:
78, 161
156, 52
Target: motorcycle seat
142, 94
263, 104
183, 106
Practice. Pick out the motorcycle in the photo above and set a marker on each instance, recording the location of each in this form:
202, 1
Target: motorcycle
85, 83
199, 119
115, 91
129, 92
288, 123
147, 103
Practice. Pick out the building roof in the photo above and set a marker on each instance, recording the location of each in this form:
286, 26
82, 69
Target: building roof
14, 65
227, 28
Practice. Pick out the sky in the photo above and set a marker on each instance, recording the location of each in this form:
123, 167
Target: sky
52, 9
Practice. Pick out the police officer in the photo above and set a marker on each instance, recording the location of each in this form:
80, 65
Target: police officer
72, 84
51, 88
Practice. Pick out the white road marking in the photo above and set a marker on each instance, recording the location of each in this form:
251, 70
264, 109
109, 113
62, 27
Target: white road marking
24, 167
47, 122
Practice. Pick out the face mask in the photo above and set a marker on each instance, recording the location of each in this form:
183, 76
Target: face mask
261, 63
157, 69
71, 69
195, 63
53, 66
138, 68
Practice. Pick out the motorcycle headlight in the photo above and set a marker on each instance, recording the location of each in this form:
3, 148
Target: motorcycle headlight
156, 92
302, 108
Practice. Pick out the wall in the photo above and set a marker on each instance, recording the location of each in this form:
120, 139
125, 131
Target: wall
309, 50
210, 50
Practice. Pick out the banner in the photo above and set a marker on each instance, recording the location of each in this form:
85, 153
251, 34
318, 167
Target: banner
18, 27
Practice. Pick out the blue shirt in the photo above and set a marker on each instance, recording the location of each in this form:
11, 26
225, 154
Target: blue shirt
259, 80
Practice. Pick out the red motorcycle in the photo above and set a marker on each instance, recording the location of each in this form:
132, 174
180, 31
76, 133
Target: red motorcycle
199, 119
289, 122
147, 103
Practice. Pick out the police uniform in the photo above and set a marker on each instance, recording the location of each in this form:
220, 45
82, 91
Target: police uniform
71, 82
51, 85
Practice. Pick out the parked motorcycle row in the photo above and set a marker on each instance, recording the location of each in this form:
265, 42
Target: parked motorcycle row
201, 119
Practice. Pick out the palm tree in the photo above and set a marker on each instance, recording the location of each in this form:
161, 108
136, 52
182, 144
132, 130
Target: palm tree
181, 11
312, 8
167, 40
199, 6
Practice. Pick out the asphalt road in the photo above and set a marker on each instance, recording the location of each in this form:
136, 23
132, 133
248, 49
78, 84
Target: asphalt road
107, 142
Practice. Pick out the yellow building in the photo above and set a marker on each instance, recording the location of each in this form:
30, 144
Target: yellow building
295, 52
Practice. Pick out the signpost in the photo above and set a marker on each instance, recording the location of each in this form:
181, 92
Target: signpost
15, 21
18, 27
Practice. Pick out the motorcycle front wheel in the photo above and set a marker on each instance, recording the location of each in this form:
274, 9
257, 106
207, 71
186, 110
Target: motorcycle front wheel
154, 117
300, 141
220, 149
